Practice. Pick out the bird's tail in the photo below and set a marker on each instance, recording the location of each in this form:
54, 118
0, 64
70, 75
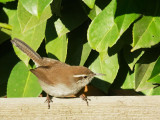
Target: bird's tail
28, 51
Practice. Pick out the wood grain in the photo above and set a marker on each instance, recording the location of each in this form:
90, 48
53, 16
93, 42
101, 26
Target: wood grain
100, 108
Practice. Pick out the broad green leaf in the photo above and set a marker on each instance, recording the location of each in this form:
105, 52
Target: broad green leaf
129, 82
155, 76
144, 68
58, 48
142, 74
35, 7
11, 13
146, 32
107, 65
85, 53
124, 15
155, 91
132, 57
152, 91
32, 37
94, 12
105, 29
89, 3
22, 83
28, 21
4, 1
99, 29
60, 28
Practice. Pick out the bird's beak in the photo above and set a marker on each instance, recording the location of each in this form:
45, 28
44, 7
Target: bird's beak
100, 74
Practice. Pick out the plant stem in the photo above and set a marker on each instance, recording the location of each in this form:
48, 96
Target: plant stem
6, 26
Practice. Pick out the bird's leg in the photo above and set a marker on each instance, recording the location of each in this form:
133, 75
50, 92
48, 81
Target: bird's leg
85, 98
48, 100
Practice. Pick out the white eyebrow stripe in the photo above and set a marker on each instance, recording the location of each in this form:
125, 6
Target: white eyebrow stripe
83, 75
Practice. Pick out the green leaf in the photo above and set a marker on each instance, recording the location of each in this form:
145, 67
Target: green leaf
28, 21
35, 7
155, 76
152, 91
132, 57
107, 65
110, 29
4, 1
22, 83
6, 26
32, 37
155, 91
142, 74
60, 28
101, 26
58, 48
85, 53
144, 68
11, 13
146, 32
129, 82
94, 12
89, 3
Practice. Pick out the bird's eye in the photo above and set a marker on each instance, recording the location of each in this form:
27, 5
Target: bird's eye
85, 76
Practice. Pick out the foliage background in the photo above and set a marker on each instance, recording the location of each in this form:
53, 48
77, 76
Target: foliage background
119, 38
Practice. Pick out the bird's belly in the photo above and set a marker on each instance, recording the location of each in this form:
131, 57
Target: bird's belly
59, 90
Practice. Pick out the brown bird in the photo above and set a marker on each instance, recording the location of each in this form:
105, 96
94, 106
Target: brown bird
56, 78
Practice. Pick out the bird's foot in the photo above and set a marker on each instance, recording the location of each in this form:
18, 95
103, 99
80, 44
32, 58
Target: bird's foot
85, 98
49, 100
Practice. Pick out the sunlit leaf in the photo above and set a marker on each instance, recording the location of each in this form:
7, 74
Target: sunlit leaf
107, 65
22, 83
142, 74
155, 76
58, 48
146, 32
60, 28
105, 29
4, 1
32, 37
94, 12
27, 21
85, 53
89, 3
35, 7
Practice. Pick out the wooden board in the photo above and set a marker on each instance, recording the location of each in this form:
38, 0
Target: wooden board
100, 108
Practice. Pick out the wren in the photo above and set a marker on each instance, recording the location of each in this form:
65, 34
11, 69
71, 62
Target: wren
56, 78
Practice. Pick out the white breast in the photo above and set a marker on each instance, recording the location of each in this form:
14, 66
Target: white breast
59, 90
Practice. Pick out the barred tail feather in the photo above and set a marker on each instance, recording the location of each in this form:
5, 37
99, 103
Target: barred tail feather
28, 51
